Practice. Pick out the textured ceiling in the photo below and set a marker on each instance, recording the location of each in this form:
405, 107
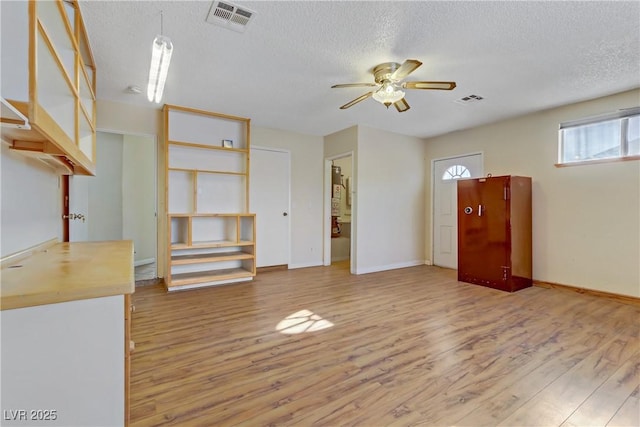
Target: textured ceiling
520, 56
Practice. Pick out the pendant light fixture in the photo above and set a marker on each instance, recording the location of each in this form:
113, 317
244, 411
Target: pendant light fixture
160, 59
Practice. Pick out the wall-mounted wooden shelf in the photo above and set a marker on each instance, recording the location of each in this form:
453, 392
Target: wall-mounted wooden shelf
210, 257
207, 146
209, 278
207, 171
49, 78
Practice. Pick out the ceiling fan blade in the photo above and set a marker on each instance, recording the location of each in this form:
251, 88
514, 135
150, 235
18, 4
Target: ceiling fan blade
355, 101
401, 105
429, 85
355, 85
407, 67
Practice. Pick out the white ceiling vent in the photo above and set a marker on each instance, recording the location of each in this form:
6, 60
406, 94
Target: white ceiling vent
229, 15
469, 99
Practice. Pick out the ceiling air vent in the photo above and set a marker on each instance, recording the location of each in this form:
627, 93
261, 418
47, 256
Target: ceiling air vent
229, 15
469, 99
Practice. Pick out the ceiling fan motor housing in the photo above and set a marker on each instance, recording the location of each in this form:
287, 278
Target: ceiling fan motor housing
383, 72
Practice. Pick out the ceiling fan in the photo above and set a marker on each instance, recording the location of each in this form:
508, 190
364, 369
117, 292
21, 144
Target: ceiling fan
388, 83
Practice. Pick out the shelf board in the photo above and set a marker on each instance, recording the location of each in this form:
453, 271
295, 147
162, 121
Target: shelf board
207, 171
185, 279
206, 146
210, 257
171, 107
210, 215
210, 244
11, 117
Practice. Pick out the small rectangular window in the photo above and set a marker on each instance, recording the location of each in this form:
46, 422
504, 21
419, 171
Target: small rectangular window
633, 136
612, 136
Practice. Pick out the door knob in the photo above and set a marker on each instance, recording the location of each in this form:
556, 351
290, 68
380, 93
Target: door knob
74, 216
284, 214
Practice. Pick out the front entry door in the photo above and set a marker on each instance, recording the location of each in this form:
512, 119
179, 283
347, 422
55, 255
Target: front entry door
446, 172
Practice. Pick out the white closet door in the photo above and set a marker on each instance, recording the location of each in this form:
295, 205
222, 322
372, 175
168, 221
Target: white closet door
269, 200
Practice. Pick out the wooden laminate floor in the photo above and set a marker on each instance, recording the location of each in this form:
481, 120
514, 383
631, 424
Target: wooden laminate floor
318, 346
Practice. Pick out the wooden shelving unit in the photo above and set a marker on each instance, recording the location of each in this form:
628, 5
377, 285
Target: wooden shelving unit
211, 234
48, 77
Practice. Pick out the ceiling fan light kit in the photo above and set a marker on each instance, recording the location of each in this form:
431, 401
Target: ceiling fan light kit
388, 94
388, 77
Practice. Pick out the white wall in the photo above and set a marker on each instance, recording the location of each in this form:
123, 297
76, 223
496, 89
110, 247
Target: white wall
128, 119
586, 219
31, 202
138, 195
105, 189
306, 190
391, 200
342, 143
136, 120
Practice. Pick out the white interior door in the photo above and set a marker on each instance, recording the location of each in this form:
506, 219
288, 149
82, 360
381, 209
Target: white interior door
269, 200
79, 205
139, 219
446, 172
99, 198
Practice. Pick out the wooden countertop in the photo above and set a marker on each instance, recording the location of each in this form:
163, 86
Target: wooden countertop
68, 272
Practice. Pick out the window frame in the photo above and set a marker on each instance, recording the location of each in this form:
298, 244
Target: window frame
456, 177
622, 116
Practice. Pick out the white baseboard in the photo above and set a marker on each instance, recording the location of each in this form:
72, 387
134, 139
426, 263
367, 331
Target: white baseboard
427, 262
377, 268
305, 265
144, 262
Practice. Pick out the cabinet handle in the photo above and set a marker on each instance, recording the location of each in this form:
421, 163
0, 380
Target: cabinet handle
132, 346
479, 210
132, 308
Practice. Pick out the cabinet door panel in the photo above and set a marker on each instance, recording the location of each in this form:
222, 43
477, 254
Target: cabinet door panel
483, 232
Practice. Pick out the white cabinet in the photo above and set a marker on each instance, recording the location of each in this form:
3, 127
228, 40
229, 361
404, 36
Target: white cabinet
63, 363
66, 320
211, 234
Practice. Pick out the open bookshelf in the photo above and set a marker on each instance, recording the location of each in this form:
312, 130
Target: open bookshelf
211, 234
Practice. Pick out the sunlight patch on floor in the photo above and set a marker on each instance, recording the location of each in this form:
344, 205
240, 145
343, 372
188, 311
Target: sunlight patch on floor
301, 322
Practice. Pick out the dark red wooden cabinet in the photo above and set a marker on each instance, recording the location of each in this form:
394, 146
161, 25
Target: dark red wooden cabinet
494, 232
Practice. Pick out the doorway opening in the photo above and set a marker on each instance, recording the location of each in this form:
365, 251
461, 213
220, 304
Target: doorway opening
339, 238
120, 202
